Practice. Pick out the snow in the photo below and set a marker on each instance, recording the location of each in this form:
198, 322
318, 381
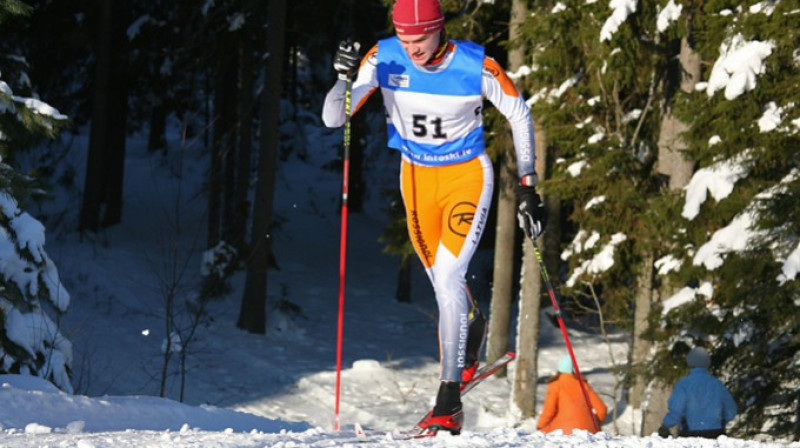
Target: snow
37, 106
634, 114
274, 390
667, 264
740, 232
736, 236
522, 72
687, 295
43, 108
242, 389
135, 28
139, 422
601, 262
790, 266
595, 138
766, 7
771, 118
574, 169
739, 64
669, 14
236, 22
556, 94
621, 10
585, 122
717, 179
595, 201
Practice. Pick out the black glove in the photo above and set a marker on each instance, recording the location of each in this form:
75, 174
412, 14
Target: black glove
346, 60
531, 213
663, 431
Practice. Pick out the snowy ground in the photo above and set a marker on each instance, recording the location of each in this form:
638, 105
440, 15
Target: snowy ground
245, 390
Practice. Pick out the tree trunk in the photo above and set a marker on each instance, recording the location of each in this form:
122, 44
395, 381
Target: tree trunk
242, 186
253, 315
233, 99
640, 350
223, 139
104, 165
670, 144
505, 232
118, 101
656, 407
672, 164
157, 139
552, 236
215, 170
403, 292
526, 375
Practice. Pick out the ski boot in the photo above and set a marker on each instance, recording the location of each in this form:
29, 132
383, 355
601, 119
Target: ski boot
475, 340
432, 424
447, 415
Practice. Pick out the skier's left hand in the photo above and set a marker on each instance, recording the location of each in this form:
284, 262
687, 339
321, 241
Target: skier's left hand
531, 213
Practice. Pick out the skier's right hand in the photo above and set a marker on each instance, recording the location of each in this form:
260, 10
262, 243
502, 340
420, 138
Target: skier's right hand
346, 60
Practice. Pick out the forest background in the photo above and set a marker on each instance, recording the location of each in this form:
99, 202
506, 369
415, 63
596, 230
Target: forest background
642, 111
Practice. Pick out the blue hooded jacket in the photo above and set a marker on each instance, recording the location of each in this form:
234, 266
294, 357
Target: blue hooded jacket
701, 402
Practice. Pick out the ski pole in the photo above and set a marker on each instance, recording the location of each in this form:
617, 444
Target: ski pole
342, 246
554, 300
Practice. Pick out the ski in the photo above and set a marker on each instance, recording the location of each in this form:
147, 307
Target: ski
487, 371
416, 432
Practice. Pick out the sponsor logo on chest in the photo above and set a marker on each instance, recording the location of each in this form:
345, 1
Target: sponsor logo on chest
397, 80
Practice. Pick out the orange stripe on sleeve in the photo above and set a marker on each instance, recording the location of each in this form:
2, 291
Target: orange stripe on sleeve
500, 75
361, 103
369, 54
372, 52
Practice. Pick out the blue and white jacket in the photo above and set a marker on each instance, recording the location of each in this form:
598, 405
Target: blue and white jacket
434, 112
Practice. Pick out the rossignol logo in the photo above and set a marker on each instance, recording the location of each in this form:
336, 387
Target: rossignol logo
463, 329
460, 220
422, 246
398, 80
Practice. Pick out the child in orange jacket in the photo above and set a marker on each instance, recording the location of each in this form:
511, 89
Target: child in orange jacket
565, 405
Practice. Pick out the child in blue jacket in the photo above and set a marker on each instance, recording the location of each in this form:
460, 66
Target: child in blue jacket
700, 405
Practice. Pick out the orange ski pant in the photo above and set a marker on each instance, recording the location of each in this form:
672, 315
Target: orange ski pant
446, 210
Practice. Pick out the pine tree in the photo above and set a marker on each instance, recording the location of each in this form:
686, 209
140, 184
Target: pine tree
737, 255
596, 82
602, 78
30, 342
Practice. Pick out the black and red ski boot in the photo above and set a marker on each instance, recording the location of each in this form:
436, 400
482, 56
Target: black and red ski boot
468, 373
447, 415
475, 341
432, 424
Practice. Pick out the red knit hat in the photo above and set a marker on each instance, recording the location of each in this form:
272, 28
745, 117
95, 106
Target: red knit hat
417, 16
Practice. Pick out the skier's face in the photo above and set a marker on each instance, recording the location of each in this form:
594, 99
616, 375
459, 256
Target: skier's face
420, 47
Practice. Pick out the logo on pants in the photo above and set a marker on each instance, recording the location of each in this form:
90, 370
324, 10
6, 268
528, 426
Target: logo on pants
460, 219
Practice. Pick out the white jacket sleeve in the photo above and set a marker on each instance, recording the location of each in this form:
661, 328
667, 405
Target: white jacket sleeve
365, 83
501, 91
